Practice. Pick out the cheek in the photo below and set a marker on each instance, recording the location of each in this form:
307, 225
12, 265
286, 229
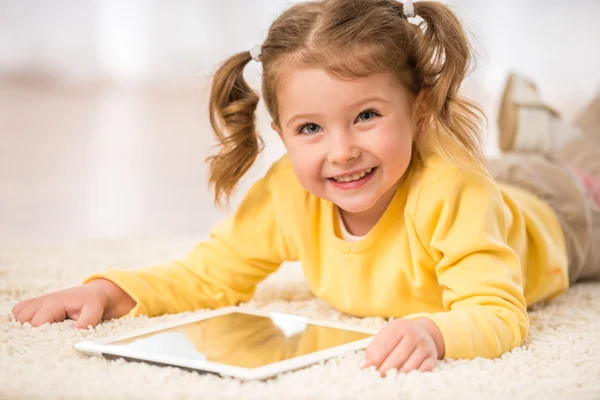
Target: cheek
307, 166
393, 147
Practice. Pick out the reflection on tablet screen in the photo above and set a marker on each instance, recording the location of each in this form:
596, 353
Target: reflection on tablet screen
242, 340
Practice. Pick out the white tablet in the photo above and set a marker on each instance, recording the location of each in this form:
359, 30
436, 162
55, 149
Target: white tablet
234, 342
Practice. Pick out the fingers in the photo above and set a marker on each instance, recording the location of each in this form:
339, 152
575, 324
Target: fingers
405, 351
381, 346
48, 313
428, 365
404, 346
414, 361
26, 313
90, 315
20, 306
406, 358
43, 309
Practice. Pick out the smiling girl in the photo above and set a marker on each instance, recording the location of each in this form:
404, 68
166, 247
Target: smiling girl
384, 194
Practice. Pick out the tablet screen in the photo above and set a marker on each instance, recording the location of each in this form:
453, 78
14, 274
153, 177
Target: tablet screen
242, 340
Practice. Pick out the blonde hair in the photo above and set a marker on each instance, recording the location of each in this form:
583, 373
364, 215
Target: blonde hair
350, 39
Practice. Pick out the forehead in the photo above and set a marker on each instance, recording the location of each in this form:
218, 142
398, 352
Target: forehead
316, 90
319, 81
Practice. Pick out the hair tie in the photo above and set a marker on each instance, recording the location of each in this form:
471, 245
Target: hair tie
409, 9
256, 52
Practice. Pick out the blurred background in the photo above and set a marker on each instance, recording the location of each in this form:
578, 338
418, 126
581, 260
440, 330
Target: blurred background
103, 103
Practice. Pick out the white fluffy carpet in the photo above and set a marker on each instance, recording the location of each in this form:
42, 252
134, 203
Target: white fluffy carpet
560, 360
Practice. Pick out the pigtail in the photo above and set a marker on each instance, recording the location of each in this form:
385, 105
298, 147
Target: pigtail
232, 109
442, 56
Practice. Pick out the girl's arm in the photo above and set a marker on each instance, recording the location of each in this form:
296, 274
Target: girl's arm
461, 219
224, 270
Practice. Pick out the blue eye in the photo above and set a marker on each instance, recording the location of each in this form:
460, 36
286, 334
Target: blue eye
309, 129
367, 116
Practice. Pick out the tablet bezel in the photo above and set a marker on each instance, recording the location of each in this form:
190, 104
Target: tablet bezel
101, 348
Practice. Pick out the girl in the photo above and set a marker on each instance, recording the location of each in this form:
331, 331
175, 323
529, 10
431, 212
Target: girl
384, 194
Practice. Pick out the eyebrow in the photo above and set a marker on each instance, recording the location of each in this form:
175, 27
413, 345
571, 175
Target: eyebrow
353, 105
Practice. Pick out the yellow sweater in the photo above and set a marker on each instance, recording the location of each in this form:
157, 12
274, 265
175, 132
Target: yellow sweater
453, 246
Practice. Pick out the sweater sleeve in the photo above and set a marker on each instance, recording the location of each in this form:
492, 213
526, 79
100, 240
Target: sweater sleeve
461, 220
224, 270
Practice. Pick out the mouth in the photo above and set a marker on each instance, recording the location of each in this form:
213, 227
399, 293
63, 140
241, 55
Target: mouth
352, 181
353, 177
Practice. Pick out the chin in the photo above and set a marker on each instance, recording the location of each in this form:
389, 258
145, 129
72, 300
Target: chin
355, 205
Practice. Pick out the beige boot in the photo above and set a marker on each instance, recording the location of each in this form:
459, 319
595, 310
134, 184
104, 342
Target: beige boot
525, 121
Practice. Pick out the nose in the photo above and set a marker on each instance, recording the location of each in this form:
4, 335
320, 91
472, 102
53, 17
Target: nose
342, 148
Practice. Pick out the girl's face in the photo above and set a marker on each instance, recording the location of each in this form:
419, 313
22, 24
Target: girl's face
349, 141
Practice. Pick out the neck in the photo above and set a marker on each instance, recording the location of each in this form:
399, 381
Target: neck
360, 223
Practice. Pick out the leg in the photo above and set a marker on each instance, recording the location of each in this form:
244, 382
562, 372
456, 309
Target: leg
553, 183
529, 126
582, 154
588, 121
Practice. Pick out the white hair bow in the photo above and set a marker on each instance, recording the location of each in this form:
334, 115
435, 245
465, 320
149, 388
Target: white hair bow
409, 9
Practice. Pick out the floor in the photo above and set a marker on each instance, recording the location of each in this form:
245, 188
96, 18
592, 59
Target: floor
102, 161
559, 360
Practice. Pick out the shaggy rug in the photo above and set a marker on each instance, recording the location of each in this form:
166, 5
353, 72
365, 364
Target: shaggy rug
560, 359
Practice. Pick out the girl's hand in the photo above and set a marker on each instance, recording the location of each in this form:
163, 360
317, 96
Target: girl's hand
406, 345
87, 304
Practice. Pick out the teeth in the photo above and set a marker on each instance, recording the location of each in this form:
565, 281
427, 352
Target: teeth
354, 177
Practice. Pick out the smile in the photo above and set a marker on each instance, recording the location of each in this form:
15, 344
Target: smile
353, 177
352, 181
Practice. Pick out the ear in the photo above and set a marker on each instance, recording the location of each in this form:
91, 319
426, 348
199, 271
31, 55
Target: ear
420, 111
420, 106
277, 129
